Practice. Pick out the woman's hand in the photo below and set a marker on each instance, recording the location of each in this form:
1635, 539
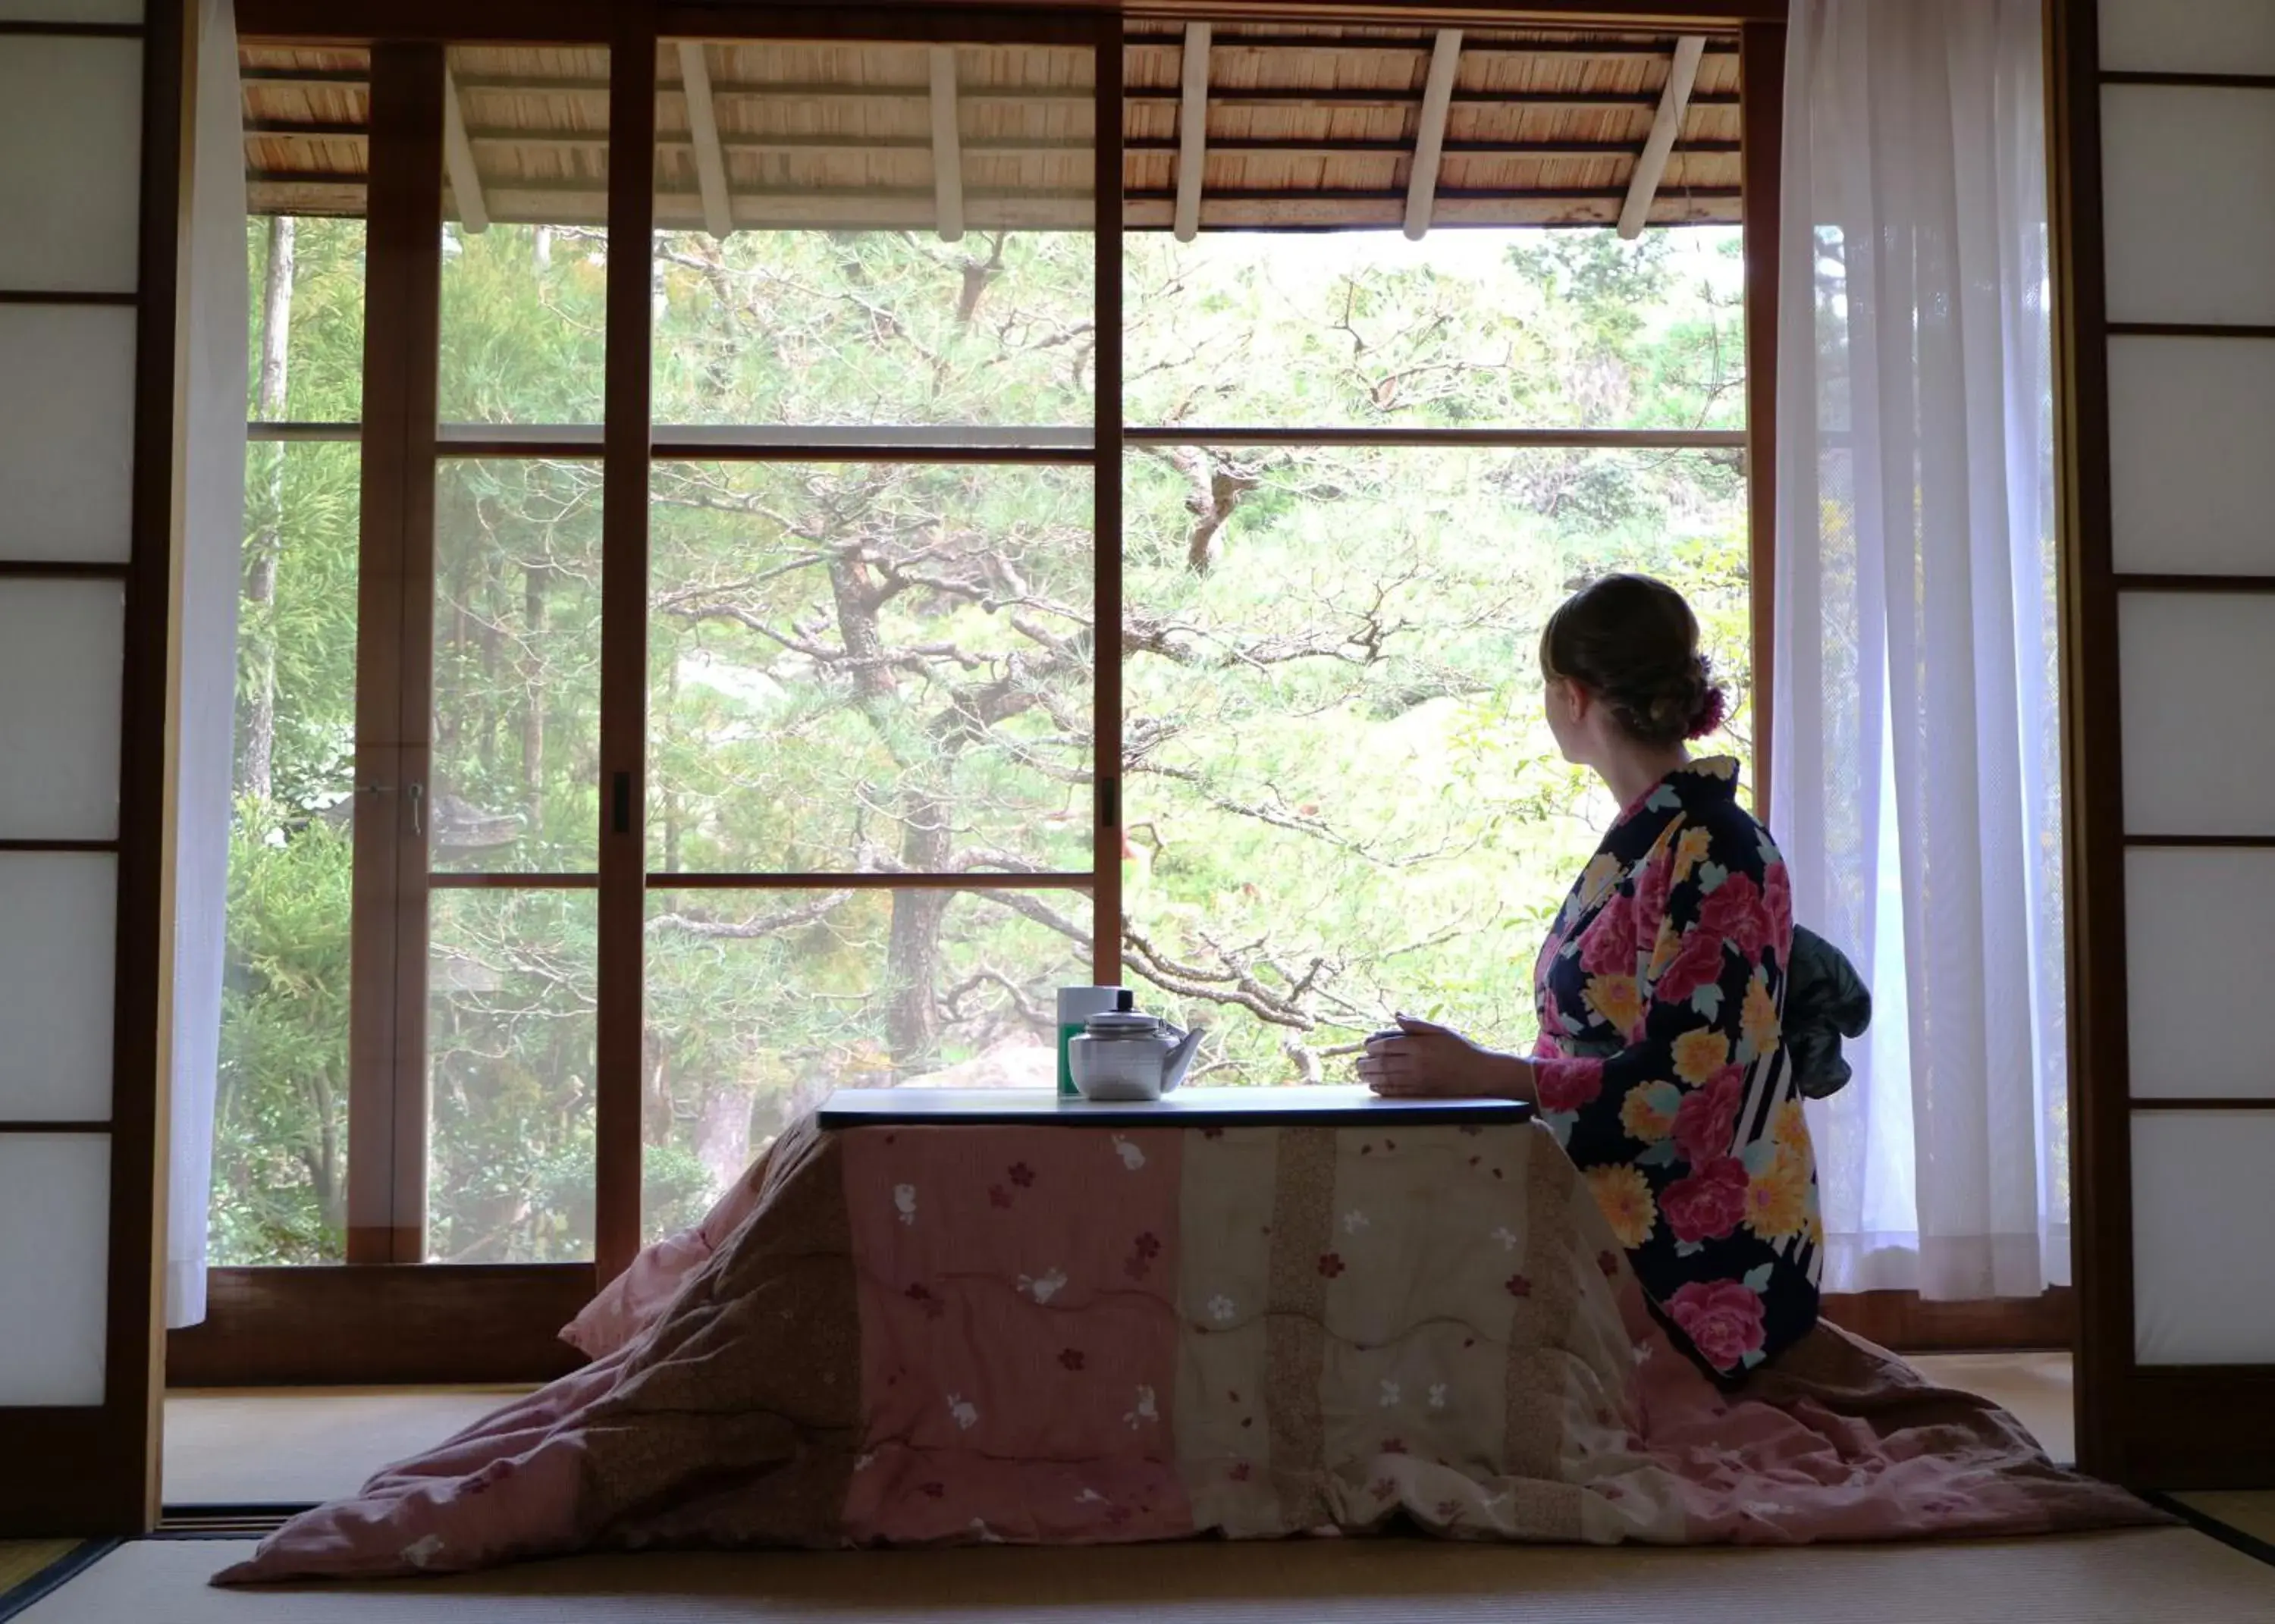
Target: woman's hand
1425, 1061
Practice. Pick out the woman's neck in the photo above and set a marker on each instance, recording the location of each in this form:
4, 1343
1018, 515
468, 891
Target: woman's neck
1633, 773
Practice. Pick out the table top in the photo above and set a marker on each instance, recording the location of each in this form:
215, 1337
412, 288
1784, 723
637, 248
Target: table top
1187, 1107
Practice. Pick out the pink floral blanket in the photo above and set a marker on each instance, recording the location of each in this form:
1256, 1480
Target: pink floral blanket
924, 1335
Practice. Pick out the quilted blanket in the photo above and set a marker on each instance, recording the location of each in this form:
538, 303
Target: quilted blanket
936, 1335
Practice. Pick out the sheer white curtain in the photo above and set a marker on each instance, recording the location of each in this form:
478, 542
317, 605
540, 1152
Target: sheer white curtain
205, 675
1915, 734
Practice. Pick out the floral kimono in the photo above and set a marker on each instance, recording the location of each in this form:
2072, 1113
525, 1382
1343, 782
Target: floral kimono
1661, 1068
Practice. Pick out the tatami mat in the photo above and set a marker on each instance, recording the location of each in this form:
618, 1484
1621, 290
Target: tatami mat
2249, 1512
2243, 1518
258, 1446
2149, 1576
2035, 1386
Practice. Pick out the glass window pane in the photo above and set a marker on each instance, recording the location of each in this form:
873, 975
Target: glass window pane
510, 1027
1527, 329
760, 1004
1340, 795
308, 111
525, 235
517, 667
304, 276
870, 666
280, 1168
871, 277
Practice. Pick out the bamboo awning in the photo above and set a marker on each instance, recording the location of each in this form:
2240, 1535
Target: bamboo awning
1247, 126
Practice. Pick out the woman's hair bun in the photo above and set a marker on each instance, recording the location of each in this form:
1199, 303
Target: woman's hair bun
1634, 642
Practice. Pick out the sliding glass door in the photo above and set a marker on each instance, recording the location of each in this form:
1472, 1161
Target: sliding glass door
871, 809
786, 638
721, 644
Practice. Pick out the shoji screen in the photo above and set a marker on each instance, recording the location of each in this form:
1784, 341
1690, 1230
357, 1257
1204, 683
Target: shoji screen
2170, 321
89, 97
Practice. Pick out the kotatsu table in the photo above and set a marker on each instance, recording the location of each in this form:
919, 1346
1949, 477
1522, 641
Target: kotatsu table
1253, 1311
934, 1318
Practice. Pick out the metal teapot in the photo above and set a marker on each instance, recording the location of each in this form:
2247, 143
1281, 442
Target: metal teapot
1123, 1055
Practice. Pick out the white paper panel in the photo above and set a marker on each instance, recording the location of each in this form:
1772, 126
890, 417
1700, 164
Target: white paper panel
72, 11
2188, 203
2194, 673
66, 431
71, 137
2190, 424
58, 934
2203, 1209
2188, 36
2196, 933
55, 1262
61, 648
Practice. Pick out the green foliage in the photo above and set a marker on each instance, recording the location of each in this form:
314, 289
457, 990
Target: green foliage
280, 1137
1339, 796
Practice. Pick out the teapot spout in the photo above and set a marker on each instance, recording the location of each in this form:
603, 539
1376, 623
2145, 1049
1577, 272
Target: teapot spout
1174, 1064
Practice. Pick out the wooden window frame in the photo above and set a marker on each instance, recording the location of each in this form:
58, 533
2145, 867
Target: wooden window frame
389, 1318
409, 1320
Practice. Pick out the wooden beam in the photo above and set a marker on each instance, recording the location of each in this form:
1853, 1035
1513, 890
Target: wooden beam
1628, 53
1012, 146
1283, 95
459, 154
1430, 132
1193, 131
1067, 22
381, 1325
1674, 101
901, 209
947, 145
325, 78
703, 129
1903, 1321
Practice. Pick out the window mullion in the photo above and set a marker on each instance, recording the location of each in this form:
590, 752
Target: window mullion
1106, 749
626, 437
386, 1161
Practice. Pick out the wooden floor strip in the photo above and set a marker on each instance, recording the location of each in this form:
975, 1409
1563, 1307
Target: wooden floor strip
30, 1570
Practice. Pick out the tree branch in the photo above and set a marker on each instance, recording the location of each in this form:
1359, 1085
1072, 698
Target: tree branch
750, 929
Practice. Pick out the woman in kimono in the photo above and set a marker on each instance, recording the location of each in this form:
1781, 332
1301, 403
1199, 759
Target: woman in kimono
1660, 1065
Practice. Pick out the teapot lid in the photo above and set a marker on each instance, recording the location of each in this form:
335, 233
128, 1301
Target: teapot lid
1121, 1023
